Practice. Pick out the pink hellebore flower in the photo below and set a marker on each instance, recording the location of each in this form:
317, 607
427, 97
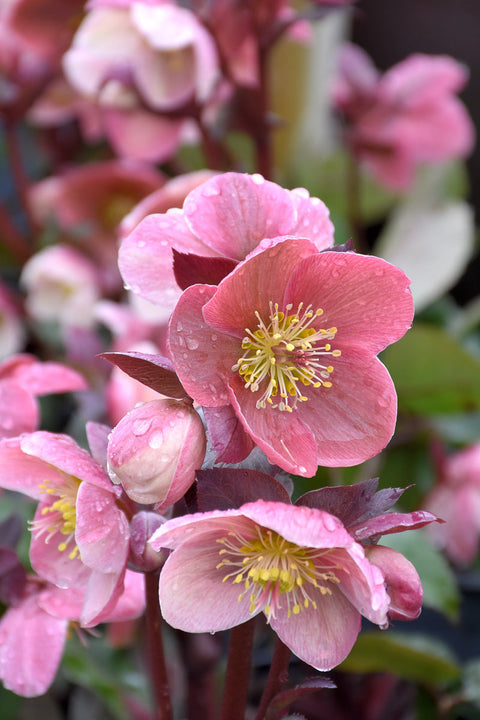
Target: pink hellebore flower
154, 451
80, 537
296, 564
288, 341
409, 115
227, 216
456, 499
139, 60
62, 285
33, 633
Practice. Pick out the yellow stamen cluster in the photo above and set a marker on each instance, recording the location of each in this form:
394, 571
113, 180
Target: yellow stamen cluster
274, 570
286, 354
61, 515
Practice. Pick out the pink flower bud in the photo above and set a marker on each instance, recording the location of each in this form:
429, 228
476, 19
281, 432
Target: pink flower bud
142, 555
154, 451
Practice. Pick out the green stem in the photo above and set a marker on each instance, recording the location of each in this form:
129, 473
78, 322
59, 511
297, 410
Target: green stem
277, 676
238, 672
154, 647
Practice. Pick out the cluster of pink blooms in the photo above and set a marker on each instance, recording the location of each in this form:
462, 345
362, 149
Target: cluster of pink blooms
239, 332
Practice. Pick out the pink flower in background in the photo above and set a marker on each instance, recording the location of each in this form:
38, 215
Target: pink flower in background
87, 203
80, 537
139, 60
409, 115
226, 216
289, 341
12, 329
456, 499
33, 632
22, 379
62, 286
155, 450
298, 565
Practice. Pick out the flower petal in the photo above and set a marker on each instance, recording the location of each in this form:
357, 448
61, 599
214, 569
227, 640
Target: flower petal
233, 212
321, 637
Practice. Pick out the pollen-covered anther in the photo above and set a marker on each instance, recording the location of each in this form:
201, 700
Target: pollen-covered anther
287, 353
60, 516
275, 571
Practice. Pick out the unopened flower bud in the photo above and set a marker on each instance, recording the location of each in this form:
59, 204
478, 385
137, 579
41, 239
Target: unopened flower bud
142, 555
154, 451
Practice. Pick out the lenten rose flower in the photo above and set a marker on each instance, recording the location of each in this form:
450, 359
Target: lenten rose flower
226, 216
298, 565
409, 115
288, 341
80, 537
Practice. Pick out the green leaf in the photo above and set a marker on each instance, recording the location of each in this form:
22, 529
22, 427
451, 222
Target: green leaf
413, 657
433, 374
440, 590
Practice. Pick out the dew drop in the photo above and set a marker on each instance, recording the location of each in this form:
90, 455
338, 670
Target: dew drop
192, 344
211, 190
141, 426
258, 179
179, 327
141, 243
156, 441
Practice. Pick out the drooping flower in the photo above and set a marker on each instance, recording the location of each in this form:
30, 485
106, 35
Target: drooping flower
138, 60
407, 116
80, 537
456, 499
226, 216
298, 565
33, 632
289, 341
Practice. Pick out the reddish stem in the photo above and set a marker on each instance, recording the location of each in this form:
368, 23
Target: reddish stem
154, 647
277, 676
11, 237
18, 172
235, 692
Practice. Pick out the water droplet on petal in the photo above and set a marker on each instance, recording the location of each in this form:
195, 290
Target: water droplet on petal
192, 344
258, 179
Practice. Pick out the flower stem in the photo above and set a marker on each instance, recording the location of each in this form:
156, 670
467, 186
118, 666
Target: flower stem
19, 175
238, 672
154, 646
276, 677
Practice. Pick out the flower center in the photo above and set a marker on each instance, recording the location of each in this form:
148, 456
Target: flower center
60, 516
285, 355
273, 569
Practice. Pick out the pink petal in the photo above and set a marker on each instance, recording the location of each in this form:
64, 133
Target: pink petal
63, 453
41, 378
365, 297
53, 564
254, 284
102, 531
402, 582
313, 219
198, 352
24, 473
146, 259
192, 595
284, 438
230, 441
31, 647
131, 602
391, 523
322, 637
141, 135
301, 525
232, 213
18, 410
351, 425
102, 593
